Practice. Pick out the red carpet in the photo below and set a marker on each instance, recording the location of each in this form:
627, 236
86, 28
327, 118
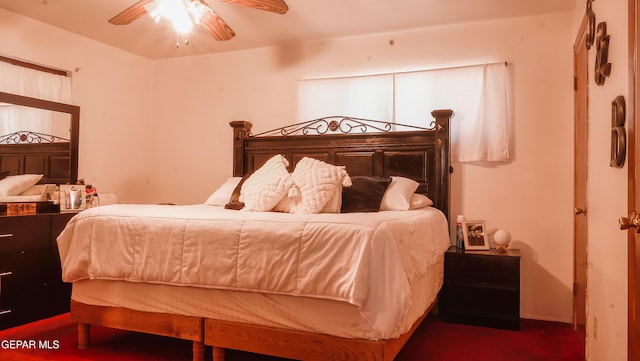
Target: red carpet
55, 339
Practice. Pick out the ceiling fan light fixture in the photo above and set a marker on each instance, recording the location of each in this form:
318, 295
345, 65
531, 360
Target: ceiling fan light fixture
182, 14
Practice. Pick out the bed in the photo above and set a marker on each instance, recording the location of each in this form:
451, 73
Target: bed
328, 295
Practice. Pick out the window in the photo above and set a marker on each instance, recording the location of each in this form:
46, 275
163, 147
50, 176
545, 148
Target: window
477, 94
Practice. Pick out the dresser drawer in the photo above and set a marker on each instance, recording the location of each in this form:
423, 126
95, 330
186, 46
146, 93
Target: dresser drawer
31, 284
483, 270
24, 285
24, 233
485, 301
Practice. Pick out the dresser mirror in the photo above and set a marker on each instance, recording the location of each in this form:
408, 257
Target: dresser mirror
39, 137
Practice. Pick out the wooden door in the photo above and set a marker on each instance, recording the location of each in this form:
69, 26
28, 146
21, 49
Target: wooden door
581, 88
633, 154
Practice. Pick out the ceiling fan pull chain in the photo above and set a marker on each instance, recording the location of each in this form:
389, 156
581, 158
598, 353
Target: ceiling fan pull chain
185, 39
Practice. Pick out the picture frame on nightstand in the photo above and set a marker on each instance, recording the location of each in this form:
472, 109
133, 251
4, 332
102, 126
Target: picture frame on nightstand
475, 235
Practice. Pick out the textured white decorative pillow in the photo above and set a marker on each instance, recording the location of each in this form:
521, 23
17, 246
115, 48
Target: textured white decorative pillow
317, 182
397, 197
267, 186
13, 185
420, 201
222, 195
335, 201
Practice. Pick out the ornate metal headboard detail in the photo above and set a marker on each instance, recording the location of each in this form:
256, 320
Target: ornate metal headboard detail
339, 124
365, 147
29, 137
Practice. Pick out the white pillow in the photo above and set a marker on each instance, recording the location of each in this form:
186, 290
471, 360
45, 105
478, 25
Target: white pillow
317, 182
13, 185
267, 186
420, 201
397, 197
334, 204
222, 195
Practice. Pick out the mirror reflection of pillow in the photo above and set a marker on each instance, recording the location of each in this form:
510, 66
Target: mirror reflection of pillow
267, 185
13, 185
35, 190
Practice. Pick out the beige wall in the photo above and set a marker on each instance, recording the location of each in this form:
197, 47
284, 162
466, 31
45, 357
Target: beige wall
111, 87
607, 195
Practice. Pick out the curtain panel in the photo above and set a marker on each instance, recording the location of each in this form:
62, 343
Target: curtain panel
477, 94
35, 84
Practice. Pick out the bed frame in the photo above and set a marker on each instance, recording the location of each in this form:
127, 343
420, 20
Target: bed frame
421, 154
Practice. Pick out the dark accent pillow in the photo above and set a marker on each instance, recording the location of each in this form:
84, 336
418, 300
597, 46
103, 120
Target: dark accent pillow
234, 201
4, 174
364, 195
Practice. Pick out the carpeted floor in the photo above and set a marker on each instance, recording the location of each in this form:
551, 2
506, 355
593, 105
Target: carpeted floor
55, 339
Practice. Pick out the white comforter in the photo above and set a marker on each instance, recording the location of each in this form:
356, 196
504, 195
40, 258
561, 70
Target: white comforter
367, 259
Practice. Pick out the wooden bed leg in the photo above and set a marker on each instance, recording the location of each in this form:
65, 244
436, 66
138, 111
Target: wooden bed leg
83, 335
218, 353
198, 351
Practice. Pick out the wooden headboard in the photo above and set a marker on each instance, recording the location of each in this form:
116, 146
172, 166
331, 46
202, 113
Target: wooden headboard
422, 155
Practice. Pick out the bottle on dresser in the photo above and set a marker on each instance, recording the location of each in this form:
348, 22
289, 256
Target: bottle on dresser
459, 233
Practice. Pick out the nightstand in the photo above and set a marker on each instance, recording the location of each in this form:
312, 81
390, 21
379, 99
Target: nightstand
481, 288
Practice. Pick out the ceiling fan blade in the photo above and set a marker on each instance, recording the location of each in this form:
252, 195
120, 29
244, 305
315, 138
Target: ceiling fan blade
132, 13
217, 27
274, 6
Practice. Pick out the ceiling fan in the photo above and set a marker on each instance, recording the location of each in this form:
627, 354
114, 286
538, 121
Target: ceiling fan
183, 13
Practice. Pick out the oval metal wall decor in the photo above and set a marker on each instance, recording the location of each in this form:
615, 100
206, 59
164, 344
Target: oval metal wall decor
618, 133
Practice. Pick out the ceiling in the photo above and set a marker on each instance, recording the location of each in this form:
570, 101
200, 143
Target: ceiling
307, 20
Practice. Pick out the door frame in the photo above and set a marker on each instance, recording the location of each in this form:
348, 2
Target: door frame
580, 234
633, 195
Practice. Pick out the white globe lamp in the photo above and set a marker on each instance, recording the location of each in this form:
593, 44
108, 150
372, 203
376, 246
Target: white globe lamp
502, 238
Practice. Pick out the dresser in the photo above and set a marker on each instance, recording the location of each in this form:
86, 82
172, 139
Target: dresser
31, 286
481, 288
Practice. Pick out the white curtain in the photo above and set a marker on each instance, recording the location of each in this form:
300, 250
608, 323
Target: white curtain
35, 84
368, 97
477, 94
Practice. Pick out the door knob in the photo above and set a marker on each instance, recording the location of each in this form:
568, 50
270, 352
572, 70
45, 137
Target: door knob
632, 222
579, 211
